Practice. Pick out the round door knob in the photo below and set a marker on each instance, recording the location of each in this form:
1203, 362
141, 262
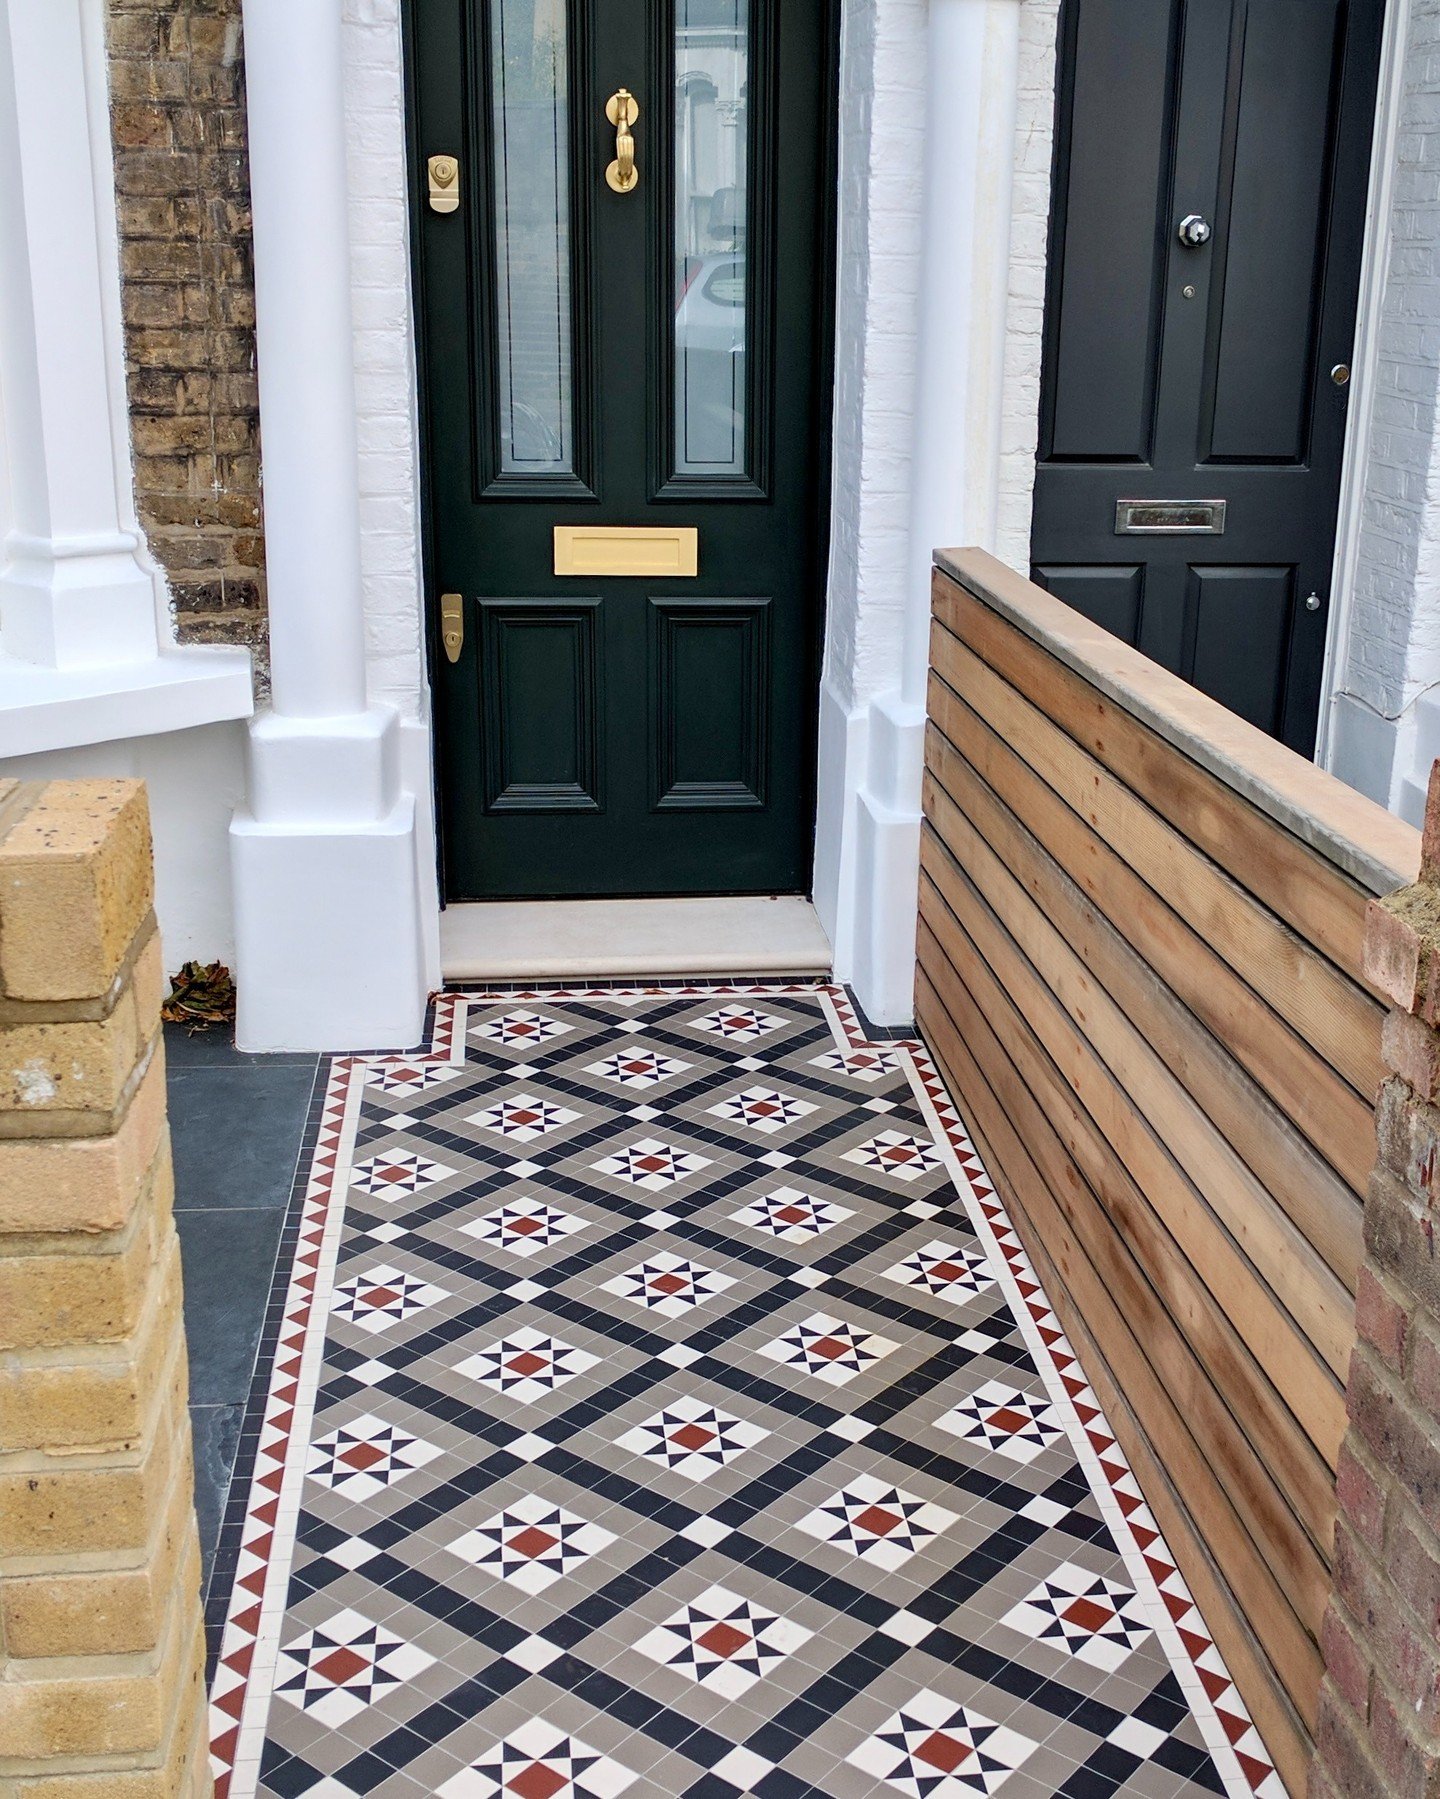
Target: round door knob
1312, 602
1194, 231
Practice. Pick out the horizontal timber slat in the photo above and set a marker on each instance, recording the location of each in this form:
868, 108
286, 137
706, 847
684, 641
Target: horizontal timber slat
1139, 971
1286, 1734
1321, 902
1319, 1000
1265, 1603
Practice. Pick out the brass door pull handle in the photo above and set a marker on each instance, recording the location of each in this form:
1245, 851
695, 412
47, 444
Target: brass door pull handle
452, 624
622, 111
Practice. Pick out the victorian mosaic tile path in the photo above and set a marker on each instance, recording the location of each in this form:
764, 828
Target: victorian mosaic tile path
661, 1404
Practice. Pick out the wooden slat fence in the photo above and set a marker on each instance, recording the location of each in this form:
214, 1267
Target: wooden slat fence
1139, 970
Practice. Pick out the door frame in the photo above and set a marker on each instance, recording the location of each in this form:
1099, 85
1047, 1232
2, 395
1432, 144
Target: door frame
822, 421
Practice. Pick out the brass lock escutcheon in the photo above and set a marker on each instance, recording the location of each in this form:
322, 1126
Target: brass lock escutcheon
452, 624
622, 110
444, 174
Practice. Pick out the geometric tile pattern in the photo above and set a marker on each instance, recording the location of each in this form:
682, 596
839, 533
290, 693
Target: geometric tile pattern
524, 1226
668, 1284
1001, 1417
935, 1749
531, 1544
365, 1456
944, 1269
693, 1438
878, 1522
792, 1488
1084, 1614
537, 1761
723, 1642
790, 1215
338, 1670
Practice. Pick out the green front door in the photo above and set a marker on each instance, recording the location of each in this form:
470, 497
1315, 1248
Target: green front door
624, 330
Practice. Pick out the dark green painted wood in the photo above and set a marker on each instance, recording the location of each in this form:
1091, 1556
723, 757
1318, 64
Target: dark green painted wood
1257, 114
627, 736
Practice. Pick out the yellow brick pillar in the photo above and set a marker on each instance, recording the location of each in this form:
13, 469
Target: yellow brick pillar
101, 1648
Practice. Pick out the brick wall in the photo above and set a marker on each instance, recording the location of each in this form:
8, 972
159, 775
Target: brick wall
181, 177
1379, 1725
101, 1652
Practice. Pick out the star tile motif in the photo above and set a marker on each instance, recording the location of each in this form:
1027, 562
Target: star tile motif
828, 1348
790, 1215
723, 1642
946, 1270
738, 1024
693, 1438
524, 1226
538, 1761
638, 1067
531, 1544
1085, 1614
339, 1669
857, 1064
366, 1456
668, 1284
878, 1522
893, 1153
520, 1027
383, 1296
397, 1173
651, 1164
934, 1749
410, 1077
762, 1109
1016, 1424
527, 1365
523, 1117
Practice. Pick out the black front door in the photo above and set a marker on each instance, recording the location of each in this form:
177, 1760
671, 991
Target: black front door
1212, 159
625, 372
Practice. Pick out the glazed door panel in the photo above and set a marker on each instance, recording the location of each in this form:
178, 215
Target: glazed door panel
649, 351
1205, 253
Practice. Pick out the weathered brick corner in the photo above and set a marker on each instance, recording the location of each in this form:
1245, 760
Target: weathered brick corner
1378, 1734
101, 1650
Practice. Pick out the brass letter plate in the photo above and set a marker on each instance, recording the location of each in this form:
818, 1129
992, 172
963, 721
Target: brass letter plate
1170, 518
657, 553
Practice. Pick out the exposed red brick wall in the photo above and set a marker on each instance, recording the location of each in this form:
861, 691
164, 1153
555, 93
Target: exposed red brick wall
182, 179
1379, 1727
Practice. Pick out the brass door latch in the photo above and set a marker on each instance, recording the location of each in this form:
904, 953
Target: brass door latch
622, 111
444, 173
452, 624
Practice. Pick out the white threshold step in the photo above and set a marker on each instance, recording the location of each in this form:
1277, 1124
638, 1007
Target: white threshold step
529, 940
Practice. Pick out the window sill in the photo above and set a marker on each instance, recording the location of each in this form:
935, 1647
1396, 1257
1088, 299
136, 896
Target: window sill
53, 709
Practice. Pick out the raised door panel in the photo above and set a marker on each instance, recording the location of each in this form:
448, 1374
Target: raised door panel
1242, 637
541, 705
711, 679
1271, 246
1109, 242
1111, 596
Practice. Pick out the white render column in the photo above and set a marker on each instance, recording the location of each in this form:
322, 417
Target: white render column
77, 587
973, 52
324, 855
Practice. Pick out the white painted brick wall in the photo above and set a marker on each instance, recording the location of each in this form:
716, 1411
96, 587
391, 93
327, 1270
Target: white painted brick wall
384, 355
1025, 321
882, 98
1391, 656
881, 181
